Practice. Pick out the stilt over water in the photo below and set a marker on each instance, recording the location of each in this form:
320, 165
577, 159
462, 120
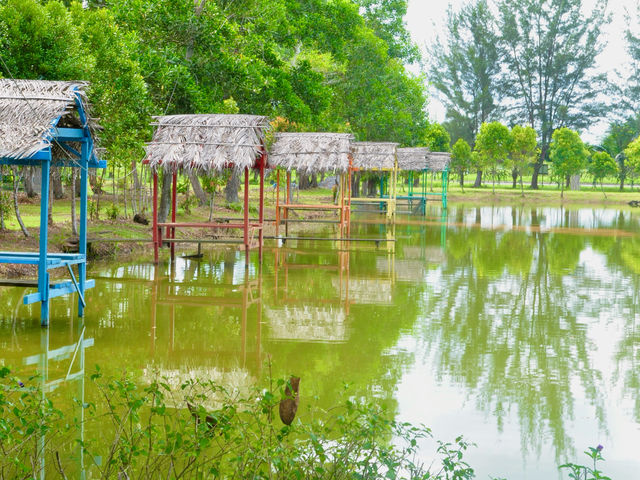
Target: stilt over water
46, 124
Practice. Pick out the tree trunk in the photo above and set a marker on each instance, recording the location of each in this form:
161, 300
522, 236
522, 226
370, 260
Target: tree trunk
514, 176
56, 183
304, 182
74, 227
3, 227
16, 208
232, 186
136, 202
372, 187
50, 212
29, 187
478, 182
538, 166
314, 181
165, 198
574, 182
462, 180
93, 181
213, 196
355, 185
197, 188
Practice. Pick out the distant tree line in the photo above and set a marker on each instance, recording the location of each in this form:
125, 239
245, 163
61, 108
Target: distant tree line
323, 65
533, 63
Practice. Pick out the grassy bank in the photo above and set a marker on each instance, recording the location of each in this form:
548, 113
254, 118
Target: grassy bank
111, 223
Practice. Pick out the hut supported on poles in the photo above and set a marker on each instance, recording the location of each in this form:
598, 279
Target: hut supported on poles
378, 157
309, 153
46, 124
438, 163
208, 144
414, 162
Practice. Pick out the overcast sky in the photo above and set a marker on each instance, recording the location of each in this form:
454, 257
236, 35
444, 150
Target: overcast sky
427, 18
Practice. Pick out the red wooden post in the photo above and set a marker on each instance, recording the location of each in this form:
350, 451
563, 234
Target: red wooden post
174, 202
349, 204
246, 215
286, 210
155, 217
263, 161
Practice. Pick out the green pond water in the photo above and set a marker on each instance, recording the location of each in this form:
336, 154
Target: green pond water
517, 327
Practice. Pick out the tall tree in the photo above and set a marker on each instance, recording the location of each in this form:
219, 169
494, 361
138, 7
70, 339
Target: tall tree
493, 144
465, 71
568, 155
602, 165
617, 138
550, 49
523, 151
386, 18
437, 138
628, 87
461, 159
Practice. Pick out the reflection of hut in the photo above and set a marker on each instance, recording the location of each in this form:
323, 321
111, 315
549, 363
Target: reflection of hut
370, 291
378, 157
403, 270
307, 323
310, 153
201, 384
47, 124
414, 162
208, 144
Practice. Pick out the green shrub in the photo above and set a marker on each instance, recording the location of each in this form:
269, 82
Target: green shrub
145, 430
113, 211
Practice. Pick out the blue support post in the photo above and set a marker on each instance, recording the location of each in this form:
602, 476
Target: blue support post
43, 274
82, 241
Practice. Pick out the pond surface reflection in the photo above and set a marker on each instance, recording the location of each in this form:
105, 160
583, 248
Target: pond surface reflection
517, 327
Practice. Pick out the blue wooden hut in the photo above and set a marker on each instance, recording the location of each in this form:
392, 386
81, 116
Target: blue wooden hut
45, 124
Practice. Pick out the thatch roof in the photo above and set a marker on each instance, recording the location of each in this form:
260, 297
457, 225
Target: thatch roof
413, 159
311, 152
438, 161
30, 108
206, 143
311, 324
374, 155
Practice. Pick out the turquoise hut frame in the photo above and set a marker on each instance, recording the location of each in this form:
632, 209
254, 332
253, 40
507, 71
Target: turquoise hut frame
419, 162
32, 113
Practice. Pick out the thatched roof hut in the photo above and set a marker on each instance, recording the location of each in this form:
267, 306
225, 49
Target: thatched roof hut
413, 159
206, 143
30, 108
438, 161
374, 155
311, 152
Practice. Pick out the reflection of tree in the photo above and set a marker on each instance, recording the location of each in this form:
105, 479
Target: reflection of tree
506, 330
625, 252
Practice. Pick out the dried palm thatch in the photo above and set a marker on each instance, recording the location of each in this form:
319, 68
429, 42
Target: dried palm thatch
310, 153
206, 143
374, 155
413, 159
438, 161
29, 109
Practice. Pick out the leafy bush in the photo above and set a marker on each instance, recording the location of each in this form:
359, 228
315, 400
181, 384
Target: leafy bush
149, 431
113, 211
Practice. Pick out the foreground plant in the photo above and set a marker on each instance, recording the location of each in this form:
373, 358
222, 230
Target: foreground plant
582, 472
197, 429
